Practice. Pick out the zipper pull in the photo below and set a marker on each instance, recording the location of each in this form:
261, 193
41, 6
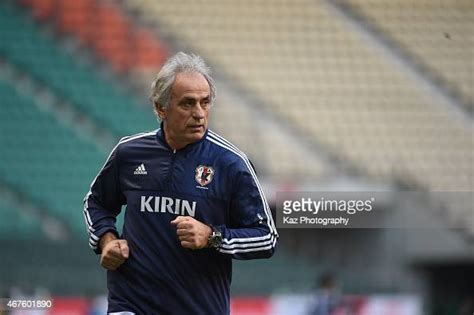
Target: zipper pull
174, 151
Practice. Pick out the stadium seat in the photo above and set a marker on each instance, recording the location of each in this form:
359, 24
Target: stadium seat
17, 225
42, 160
24, 45
313, 69
104, 28
436, 34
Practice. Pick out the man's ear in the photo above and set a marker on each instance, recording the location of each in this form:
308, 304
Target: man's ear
160, 111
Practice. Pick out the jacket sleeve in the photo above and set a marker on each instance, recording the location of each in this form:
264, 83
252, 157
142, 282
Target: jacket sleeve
251, 233
103, 202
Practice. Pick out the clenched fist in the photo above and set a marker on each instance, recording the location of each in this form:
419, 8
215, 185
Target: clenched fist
114, 251
191, 233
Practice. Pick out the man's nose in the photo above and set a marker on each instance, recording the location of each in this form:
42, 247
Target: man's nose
198, 112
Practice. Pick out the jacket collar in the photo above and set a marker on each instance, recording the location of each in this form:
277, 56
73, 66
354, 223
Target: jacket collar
160, 137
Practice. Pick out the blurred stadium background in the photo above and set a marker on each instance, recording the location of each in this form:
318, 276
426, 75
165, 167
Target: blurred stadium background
348, 95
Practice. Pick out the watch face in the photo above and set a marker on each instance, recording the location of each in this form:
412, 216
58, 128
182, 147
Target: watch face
215, 240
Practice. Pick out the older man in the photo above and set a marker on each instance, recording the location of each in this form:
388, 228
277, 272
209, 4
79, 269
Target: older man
193, 203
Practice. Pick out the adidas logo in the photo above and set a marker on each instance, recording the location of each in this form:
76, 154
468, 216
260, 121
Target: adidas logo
140, 170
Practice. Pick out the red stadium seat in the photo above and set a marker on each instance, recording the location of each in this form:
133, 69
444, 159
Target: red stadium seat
41, 9
150, 53
78, 18
105, 28
114, 37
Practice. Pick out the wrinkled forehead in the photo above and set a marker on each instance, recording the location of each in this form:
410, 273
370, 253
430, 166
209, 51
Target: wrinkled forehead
190, 84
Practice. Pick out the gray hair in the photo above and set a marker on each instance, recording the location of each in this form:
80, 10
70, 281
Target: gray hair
180, 62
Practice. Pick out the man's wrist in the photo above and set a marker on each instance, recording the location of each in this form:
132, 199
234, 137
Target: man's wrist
106, 238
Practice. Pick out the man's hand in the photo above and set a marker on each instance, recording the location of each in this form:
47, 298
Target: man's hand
114, 251
191, 233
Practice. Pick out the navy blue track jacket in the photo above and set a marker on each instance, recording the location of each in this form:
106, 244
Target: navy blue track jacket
210, 180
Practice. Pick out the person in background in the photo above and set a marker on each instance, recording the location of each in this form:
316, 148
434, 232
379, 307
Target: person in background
327, 298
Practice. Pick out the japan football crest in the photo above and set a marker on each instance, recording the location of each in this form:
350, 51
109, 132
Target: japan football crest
204, 174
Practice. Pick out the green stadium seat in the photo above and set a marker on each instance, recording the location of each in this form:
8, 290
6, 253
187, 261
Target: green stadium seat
17, 225
45, 159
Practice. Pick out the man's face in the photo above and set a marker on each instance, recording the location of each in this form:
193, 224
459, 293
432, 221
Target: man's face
186, 117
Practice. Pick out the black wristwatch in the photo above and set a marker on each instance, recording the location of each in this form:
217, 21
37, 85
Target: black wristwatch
215, 239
